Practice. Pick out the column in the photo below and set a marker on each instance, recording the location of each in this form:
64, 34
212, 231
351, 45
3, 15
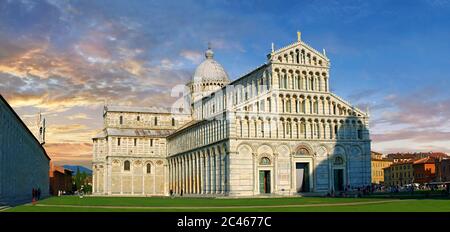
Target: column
292, 101
294, 132
213, 172
333, 135
320, 130
186, 168
177, 174
94, 179
183, 174
173, 176
170, 174
251, 128
258, 128
308, 129
218, 173
194, 176
208, 173
186, 171
306, 81
203, 172
224, 173
177, 161
197, 174
194, 180
108, 173
172, 179
191, 168
200, 170
180, 175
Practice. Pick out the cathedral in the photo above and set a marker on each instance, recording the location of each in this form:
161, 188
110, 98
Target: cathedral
277, 130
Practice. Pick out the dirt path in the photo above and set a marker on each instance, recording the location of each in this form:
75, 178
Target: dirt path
219, 207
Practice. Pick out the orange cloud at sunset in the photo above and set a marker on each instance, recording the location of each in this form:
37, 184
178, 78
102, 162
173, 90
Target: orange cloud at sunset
70, 153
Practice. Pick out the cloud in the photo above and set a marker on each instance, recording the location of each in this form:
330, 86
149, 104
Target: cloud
194, 56
418, 120
70, 153
69, 133
438, 3
65, 58
362, 94
79, 116
421, 136
420, 109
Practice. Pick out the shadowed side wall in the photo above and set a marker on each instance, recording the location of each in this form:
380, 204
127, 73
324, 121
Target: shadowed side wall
24, 165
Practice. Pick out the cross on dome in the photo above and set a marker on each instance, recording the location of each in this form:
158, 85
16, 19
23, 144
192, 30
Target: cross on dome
209, 54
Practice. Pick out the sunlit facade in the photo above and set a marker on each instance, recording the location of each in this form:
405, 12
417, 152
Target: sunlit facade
276, 130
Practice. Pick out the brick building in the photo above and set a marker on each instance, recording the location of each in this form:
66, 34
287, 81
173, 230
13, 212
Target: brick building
424, 170
60, 179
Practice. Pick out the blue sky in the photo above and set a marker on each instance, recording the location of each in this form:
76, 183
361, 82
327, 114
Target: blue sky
65, 57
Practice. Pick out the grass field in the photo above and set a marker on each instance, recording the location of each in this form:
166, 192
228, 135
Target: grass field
294, 204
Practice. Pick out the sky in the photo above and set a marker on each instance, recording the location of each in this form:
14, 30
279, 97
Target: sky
67, 58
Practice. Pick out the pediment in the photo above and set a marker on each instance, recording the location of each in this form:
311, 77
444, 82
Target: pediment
299, 53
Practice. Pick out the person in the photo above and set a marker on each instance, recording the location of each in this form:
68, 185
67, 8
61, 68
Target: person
181, 193
33, 193
38, 194
171, 192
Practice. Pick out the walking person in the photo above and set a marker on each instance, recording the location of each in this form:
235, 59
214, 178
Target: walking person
33, 194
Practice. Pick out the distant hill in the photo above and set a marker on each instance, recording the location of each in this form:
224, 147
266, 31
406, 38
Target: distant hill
73, 168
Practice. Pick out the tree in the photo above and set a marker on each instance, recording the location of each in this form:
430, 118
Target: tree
78, 181
81, 181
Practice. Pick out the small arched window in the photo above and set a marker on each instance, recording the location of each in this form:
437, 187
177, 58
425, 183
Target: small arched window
126, 165
156, 121
173, 121
121, 119
265, 161
138, 118
149, 168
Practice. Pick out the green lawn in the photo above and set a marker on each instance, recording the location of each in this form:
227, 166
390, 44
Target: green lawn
294, 204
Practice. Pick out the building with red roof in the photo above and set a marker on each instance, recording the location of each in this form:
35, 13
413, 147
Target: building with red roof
424, 170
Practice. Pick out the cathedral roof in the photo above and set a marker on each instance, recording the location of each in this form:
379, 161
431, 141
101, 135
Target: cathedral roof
135, 109
210, 70
137, 132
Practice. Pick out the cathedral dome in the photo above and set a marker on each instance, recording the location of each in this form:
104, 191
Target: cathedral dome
210, 71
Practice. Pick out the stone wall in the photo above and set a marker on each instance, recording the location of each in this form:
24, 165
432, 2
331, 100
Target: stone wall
24, 164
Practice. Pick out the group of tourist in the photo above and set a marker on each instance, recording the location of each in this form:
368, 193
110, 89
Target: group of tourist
36, 194
172, 194
352, 191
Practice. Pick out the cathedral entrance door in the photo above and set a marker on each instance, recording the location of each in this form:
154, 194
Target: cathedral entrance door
302, 177
338, 180
264, 181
